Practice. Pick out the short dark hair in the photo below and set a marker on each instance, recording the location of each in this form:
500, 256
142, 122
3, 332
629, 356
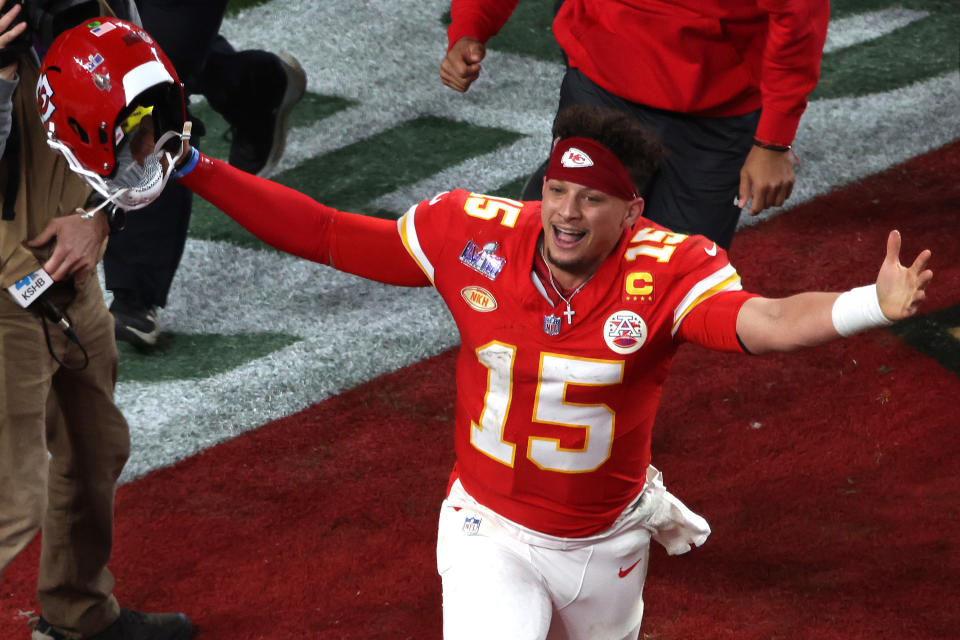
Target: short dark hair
634, 144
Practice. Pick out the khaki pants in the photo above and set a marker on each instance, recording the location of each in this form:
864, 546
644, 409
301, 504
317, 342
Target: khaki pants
45, 407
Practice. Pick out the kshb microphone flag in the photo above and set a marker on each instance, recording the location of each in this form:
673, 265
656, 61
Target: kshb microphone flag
29, 288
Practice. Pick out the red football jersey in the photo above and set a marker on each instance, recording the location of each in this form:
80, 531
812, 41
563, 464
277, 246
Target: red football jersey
554, 410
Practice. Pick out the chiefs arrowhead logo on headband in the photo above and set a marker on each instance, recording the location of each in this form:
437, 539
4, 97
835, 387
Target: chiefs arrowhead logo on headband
599, 169
574, 158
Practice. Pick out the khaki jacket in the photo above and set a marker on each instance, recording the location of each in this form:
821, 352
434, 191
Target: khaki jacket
48, 188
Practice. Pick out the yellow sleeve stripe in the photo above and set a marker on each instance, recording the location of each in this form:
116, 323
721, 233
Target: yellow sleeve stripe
726, 279
408, 235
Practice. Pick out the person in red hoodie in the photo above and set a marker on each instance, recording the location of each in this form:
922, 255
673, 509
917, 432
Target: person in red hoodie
723, 83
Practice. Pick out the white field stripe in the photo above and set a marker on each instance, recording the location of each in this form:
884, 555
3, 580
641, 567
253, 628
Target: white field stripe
350, 330
385, 55
724, 279
863, 27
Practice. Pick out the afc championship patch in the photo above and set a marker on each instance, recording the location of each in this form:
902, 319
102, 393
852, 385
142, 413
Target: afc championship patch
624, 332
483, 259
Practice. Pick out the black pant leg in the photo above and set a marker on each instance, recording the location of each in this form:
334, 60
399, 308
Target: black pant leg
143, 258
227, 77
185, 30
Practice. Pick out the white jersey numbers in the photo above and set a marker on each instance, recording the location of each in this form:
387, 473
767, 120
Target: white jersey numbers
488, 435
550, 407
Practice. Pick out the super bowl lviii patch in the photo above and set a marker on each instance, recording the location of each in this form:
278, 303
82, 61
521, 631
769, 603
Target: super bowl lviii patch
482, 259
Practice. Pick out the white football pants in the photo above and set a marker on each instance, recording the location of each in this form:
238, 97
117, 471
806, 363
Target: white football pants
502, 581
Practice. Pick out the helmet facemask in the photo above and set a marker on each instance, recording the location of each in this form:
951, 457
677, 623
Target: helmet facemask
143, 162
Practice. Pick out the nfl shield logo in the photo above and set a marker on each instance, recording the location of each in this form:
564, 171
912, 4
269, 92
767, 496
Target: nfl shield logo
551, 325
471, 525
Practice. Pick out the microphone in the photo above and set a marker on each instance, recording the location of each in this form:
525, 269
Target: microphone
30, 290
57, 317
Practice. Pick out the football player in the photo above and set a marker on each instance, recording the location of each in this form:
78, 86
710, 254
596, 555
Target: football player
570, 311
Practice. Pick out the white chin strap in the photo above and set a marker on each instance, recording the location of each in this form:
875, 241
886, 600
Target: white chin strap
136, 185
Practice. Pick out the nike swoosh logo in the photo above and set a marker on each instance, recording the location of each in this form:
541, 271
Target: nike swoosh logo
712, 251
623, 573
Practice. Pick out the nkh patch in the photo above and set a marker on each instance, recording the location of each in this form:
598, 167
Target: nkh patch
624, 332
479, 298
471, 525
483, 260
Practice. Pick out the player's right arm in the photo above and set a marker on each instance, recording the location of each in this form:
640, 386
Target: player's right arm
297, 224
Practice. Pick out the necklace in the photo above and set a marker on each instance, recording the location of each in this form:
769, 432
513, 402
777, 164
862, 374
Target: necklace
569, 312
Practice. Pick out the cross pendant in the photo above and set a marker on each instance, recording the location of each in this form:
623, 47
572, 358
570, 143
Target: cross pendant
569, 313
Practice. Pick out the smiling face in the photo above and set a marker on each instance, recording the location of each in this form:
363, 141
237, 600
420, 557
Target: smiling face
581, 227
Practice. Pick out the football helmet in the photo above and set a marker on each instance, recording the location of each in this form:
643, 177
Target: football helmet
112, 104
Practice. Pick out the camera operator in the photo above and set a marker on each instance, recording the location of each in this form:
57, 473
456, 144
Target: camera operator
58, 356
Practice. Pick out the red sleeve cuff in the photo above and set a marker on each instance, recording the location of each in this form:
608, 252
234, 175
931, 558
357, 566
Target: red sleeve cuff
777, 128
477, 19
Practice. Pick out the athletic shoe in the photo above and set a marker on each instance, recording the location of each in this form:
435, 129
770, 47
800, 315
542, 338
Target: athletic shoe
134, 322
257, 144
131, 625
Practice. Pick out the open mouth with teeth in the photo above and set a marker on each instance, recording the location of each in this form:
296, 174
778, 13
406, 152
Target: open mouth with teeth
567, 238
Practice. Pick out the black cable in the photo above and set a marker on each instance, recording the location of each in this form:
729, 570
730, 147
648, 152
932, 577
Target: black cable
62, 320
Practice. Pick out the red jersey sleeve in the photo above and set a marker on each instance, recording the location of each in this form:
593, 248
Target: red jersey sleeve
712, 297
480, 19
796, 31
295, 223
424, 228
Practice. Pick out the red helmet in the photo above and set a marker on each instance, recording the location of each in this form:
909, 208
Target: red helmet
93, 78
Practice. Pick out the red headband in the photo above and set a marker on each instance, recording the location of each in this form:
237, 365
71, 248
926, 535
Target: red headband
591, 164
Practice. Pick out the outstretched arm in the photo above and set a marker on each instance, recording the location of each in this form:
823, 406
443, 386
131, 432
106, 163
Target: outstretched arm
808, 319
297, 224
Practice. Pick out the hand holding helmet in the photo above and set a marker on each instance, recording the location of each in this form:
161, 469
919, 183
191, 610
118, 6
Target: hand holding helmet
114, 107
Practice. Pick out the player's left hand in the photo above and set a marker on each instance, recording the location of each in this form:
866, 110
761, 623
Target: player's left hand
902, 289
79, 245
767, 177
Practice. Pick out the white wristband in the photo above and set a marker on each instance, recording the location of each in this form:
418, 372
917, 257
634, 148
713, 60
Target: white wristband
858, 309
